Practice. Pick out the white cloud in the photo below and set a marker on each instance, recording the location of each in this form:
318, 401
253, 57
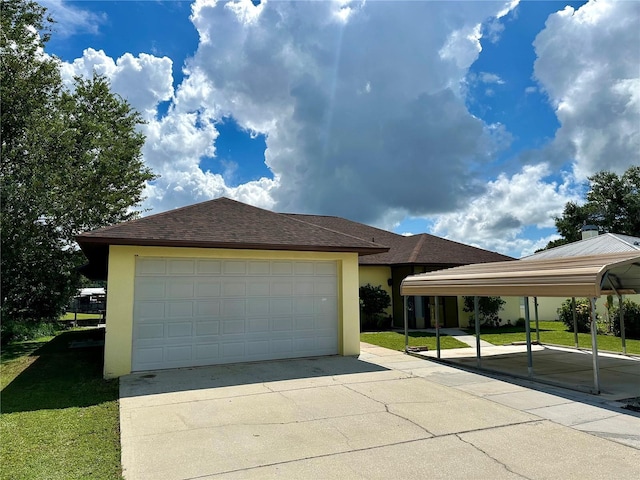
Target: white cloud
144, 80
70, 19
340, 118
496, 219
589, 65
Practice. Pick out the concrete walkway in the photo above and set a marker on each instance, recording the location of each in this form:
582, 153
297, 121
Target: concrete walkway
384, 415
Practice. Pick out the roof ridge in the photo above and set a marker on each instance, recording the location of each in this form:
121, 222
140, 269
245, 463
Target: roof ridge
290, 216
618, 237
418, 247
344, 219
167, 212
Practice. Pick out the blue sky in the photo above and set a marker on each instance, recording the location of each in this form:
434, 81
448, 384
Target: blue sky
475, 121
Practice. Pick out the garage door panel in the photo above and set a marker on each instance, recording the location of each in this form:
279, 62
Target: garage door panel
180, 329
208, 288
150, 288
179, 309
259, 288
208, 352
207, 308
180, 353
234, 308
150, 310
257, 267
282, 324
234, 267
280, 306
211, 327
151, 266
150, 331
326, 268
199, 312
258, 325
182, 288
209, 267
280, 287
237, 288
232, 327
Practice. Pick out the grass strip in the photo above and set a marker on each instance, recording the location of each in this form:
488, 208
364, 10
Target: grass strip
59, 417
395, 340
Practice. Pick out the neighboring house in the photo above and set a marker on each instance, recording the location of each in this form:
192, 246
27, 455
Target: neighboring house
408, 255
591, 244
222, 282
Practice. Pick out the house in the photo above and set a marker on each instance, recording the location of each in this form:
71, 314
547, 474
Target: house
591, 244
225, 282
408, 255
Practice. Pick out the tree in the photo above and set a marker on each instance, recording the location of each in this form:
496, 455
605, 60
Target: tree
488, 308
71, 162
373, 301
613, 204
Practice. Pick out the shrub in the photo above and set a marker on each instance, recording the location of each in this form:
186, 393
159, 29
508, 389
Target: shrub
373, 301
20, 331
631, 319
488, 308
583, 314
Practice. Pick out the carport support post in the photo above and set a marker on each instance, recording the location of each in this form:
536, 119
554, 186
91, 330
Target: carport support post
621, 313
406, 323
476, 317
528, 332
438, 325
575, 321
535, 306
594, 347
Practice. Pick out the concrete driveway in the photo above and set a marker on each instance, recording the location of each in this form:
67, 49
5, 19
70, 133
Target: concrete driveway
384, 415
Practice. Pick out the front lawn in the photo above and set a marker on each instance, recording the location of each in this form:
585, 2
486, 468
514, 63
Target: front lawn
395, 340
554, 333
59, 417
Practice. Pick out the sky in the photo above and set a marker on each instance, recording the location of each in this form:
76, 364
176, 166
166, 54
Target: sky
476, 121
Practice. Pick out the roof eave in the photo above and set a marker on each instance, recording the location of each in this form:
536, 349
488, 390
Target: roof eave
94, 240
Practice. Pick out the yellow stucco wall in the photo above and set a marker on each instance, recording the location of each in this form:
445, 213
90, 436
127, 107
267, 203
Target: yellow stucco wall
120, 292
378, 275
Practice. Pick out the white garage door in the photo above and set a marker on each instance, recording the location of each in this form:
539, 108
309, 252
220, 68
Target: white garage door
202, 312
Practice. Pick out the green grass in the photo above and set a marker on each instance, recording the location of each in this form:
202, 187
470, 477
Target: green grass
555, 333
59, 417
395, 340
81, 316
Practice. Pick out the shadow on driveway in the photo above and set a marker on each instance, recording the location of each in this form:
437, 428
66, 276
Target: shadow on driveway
196, 378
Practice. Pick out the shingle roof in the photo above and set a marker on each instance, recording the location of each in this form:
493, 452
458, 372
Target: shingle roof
422, 249
226, 223
598, 245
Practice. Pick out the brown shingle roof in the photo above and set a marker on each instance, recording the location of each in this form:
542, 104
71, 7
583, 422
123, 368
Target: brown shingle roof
422, 249
226, 223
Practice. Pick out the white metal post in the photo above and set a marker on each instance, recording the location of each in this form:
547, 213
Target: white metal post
575, 321
622, 334
438, 326
528, 332
476, 316
535, 306
594, 347
406, 323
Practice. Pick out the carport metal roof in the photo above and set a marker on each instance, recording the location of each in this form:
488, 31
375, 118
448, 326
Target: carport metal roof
587, 276
584, 276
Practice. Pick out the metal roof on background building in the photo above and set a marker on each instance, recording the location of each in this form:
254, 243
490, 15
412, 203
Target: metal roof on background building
598, 245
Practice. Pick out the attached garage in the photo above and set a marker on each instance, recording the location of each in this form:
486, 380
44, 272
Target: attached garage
190, 311
223, 282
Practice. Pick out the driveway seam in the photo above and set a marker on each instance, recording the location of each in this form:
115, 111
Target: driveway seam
504, 465
346, 452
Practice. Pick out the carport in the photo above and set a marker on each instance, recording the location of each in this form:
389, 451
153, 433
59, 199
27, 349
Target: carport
584, 276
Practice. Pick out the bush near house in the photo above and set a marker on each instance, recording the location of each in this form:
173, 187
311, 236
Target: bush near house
631, 319
373, 301
583, 314
489, 307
